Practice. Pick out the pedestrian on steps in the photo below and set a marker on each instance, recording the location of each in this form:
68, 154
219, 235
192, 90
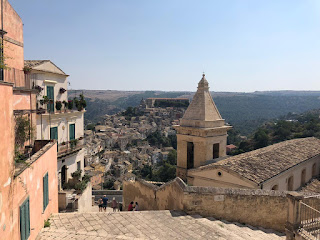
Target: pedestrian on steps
100, 204
136, 207
114, 204
130, 207
105, 202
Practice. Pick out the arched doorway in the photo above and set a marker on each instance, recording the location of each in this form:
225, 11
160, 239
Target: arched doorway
275, 187
63, 175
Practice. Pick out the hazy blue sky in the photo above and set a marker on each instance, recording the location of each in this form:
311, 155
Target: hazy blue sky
242, 45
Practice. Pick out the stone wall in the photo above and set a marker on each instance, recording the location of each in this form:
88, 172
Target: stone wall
85, 200
260, 208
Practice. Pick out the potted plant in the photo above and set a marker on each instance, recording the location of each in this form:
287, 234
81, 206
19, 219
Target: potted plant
65, 104
82, 102
62, 90
58, 105
26, 70
77, 103
45, 100
73, 143
38, 88
70, 104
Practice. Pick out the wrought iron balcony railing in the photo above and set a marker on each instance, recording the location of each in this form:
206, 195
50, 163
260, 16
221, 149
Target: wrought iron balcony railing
72, 146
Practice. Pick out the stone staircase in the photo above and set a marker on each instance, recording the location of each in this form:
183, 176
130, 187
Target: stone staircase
149, 225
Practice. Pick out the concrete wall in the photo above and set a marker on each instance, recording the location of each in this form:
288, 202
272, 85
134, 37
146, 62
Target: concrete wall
13, 44
259, 208
85, 201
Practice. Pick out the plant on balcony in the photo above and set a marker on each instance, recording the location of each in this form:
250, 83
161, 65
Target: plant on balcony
76, 174
38, 88
82, 102
80, 186
76, 103
26, 69
70, 104
63, 143
45, 100
58, 105
23, 132
65, 104
3, 64
73, 143
62, 90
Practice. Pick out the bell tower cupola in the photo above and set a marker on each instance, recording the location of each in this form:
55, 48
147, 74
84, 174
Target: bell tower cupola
202, 133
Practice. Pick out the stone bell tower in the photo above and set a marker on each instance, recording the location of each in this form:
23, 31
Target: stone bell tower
202, 133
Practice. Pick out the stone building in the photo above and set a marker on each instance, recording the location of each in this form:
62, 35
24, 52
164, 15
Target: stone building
202, 160
202, 133
288, 165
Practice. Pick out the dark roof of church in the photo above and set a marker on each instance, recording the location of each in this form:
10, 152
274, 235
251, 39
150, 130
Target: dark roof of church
265, 163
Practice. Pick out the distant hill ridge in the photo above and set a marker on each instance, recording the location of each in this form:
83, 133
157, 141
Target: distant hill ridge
245, 111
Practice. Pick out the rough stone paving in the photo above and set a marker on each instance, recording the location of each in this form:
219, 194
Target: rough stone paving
148, 225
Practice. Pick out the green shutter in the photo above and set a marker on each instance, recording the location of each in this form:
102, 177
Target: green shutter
72, 131
54, 133
45, 191
50, 95
25, 220
22, 222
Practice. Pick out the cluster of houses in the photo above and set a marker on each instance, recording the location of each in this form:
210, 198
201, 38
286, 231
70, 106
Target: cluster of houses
119, 145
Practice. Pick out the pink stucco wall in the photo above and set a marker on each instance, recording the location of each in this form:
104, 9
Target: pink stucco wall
29, 183
13, 44
6, 152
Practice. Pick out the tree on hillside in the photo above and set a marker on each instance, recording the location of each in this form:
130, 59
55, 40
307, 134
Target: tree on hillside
261, 138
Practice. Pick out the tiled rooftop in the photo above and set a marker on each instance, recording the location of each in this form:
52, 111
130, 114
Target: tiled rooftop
312, 186
262, 164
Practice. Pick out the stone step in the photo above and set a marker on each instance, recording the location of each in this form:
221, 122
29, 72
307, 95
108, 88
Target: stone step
163, 224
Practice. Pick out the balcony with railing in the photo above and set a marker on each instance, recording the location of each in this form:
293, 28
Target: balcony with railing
19, 78
70, 147
49, 106
303, 220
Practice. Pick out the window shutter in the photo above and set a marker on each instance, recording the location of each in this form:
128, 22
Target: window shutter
47, 189
72, 131
22, 222
45, 192
27, 219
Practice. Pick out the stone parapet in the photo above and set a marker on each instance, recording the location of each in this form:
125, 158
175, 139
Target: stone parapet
260, 208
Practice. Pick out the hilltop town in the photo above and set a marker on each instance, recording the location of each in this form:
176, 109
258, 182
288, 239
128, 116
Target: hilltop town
162, 168
132, 140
